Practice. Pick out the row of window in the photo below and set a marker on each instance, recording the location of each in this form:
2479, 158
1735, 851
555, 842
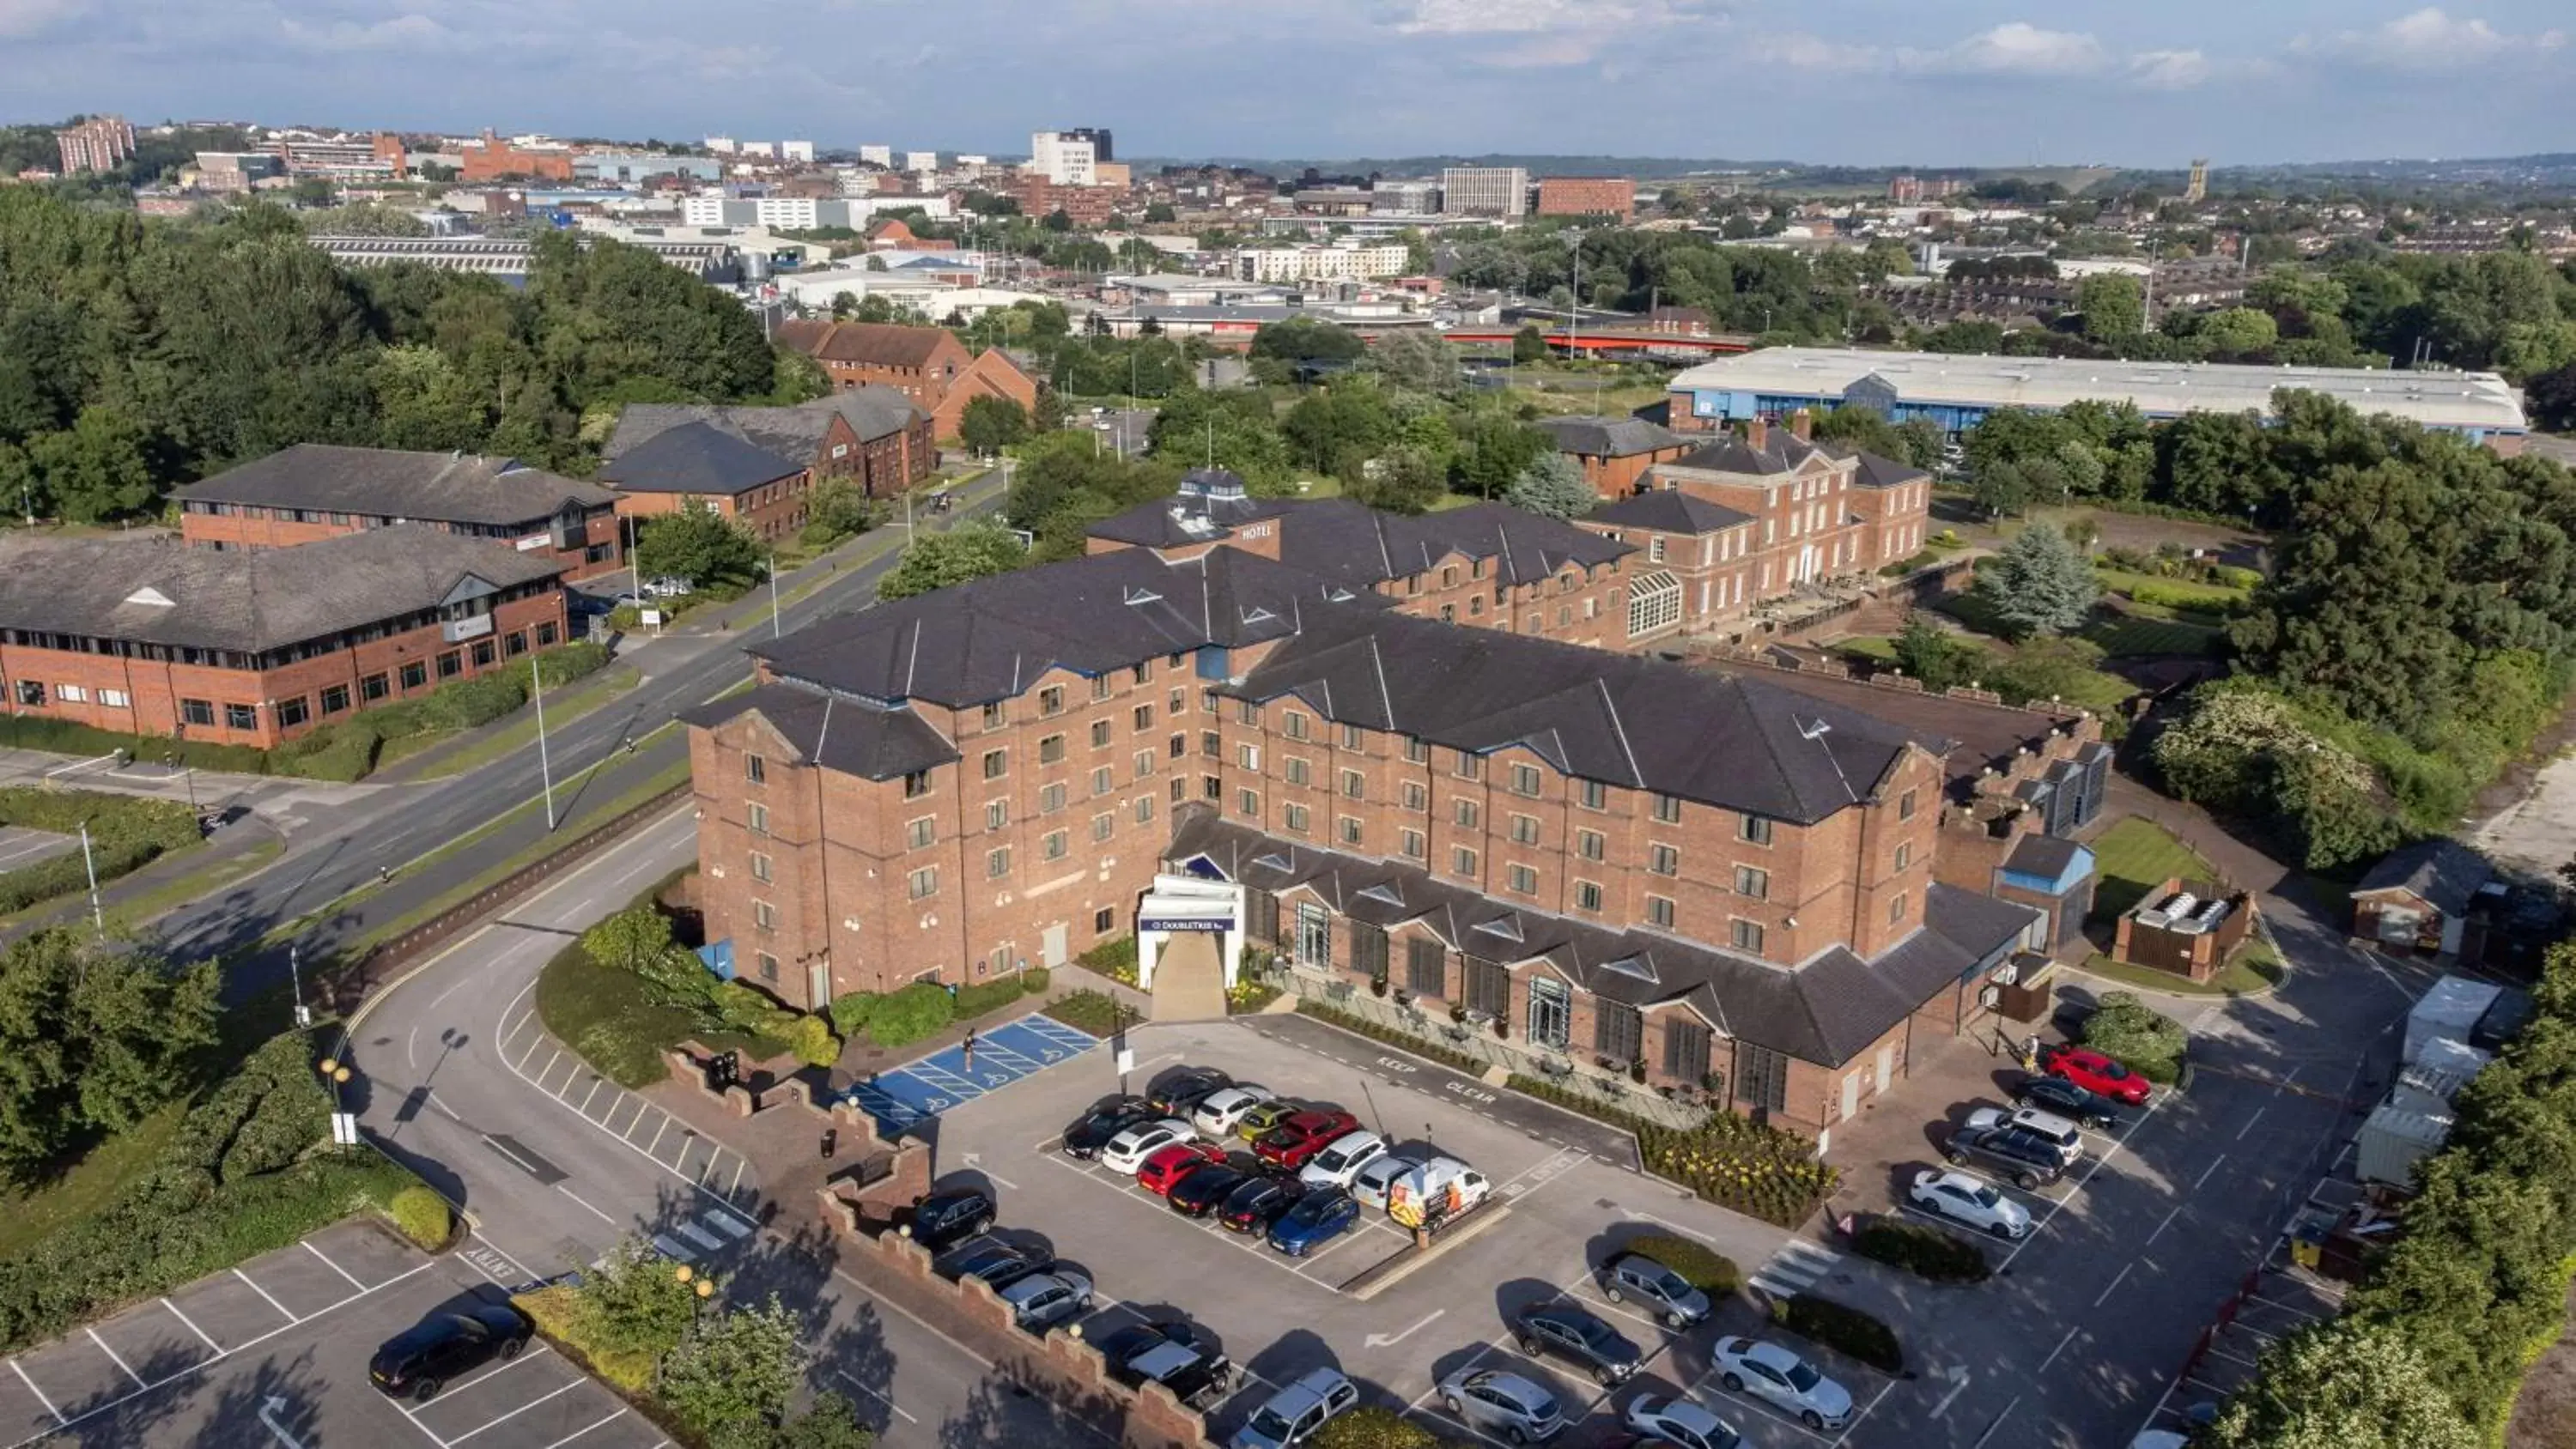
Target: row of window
289, 654
296, 709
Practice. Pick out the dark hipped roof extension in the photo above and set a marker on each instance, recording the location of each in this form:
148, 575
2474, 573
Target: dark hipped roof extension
793, 433
852, 736
248, 600
390, 483
2441, 872
1354, 544
1669, 510
1608, 437
1826, 1010
697, 457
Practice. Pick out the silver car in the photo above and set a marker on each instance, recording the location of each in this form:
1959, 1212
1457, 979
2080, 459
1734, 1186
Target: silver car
1292, 1415
1768, 1371
1042, 1301
1498, 1402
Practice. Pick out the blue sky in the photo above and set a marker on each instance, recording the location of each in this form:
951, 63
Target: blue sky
1960, 82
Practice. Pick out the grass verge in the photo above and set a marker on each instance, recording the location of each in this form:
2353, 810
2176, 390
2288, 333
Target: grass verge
28, 1216
2256, 969
171, 894
520, 730
2135, 856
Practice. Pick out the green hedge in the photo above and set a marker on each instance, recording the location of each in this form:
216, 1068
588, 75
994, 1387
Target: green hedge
1375, 1426
987, 996
2144, 1041
1362, 1026
1096, 1012
423, 1217
1700, 1265
906, 1016
126, 832
1113, 959
850, 1011
1732, 1161
1923, 1250
62, 737
1035, 980
1844, 1329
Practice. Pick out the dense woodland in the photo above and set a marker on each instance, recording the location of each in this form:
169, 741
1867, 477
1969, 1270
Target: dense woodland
137, 356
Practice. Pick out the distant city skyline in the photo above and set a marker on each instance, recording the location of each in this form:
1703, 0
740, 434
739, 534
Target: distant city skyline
1847, 82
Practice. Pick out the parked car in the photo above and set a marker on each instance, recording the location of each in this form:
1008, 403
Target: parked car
667, 587
951, 1216
1179, 1094
1377, 1176
1292, 1415
1313, 1220
1655, 1287
1203, 1190
2029, 1159
1258, 1201
1434, 1190
1127, 1151
1971, 1202
2058, 1095
996, 1262
1221, 1111
1680, 1423
1341, 1159
1789, 1383
1160, 1172
2060, 1133
1043, 1300
1174, 1355
1085, 1135
2096, 1073
1301, 1135
1578, 1334
421, 1359
1257, 1123
1495, 1401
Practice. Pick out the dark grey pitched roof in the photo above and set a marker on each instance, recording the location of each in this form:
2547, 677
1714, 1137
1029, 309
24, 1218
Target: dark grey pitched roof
986, 640
249, 600
1737, 741
1190, 516
1877, 472
1608, 437
849, 736
793, 433
697, 457
1346, 541
1669, 510
2041, 855
1827, 1010
1781, 452
2442, 872
436, 487
873, 412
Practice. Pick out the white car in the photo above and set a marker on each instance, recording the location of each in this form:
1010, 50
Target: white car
1342, 1159
1767, 1371
1222, 1112
2061, 1133
1970, 1202
1680, 1423
1498, 1402
1128, 1150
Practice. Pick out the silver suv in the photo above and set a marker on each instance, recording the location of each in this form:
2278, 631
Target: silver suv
1292, 1415
1494, 1401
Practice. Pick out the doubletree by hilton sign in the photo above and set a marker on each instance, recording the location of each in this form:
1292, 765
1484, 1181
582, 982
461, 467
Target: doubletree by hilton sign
1185, 923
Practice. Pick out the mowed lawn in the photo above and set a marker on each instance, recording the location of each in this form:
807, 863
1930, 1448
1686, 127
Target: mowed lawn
2135, 856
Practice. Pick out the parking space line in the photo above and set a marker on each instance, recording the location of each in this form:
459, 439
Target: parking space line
535, 1350
2095, 1166
594, 1212
657, 1138
262, 1292
514, 1413
192, 1327
2213, 1167
1997, 1424
2114, 1287
904, 1413
40, 1394
1883, 1391
2160, 1227
595, 1084
739, 1168
334, 1267
112, 1356
611, 1417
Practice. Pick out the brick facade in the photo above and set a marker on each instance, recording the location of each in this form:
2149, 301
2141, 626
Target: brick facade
1612, 196
586, 545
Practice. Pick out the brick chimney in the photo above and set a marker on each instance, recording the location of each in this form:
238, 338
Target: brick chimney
1757, 433
1802, 423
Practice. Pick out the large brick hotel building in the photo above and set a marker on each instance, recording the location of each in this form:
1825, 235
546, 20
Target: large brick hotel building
1767, 882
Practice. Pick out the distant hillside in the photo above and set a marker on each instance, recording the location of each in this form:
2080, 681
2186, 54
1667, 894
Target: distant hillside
1655, 168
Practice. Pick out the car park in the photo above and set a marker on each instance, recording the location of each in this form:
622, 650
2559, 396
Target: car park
1043, 1300
1679, 1423
419, 1361
1203, 1190
1496, 1401
1293, 1414
1179, 1094
2096, 1073
1257, 1202
1378, 1175
1127, 1151
1258, 1122
1341, 1159
1301, 1135
1085, 1135
1173, 1355
1784, 1380
1222, 1111
1655, 1287
2030, 1160
997, 1263
1580, 1336
2057, 1131
1167, 1166
2058, 1095
1313, 1220
946, 1218
1970, 1202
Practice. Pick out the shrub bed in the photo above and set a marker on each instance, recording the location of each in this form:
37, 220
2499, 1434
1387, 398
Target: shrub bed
850, 1012
1375, 1426
126, 832
423, 1217
1700, 1265
1035, 980
1732, 1161
1113, 959
2144, 1041
906, 1016
1844, 1329
1361, 1026
1096, 1012
1244, 998
1926, 1252
987, 996
62, 737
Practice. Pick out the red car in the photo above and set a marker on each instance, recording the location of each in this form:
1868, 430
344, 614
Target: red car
2095, 1073
1171, 1164
1301, 1136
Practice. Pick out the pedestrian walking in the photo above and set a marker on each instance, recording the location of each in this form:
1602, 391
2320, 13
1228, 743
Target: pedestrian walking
970, 1048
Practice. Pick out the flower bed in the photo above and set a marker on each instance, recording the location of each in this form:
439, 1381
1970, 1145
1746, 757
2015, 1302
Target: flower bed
1361, 1026
1113, 959
1736, 1163
1245, 998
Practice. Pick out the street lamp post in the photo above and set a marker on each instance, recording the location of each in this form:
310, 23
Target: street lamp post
545, 762
97, 914
777, 620
295, 971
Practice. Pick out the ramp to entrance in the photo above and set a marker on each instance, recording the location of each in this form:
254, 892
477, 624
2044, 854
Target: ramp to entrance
1189, 981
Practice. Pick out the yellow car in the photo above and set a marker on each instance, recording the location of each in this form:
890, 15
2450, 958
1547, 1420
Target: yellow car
1262, 1118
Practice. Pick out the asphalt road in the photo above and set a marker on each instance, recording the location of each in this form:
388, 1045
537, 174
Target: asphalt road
400, 824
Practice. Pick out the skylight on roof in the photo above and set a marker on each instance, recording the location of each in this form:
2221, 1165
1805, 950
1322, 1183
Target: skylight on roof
1143, 596
1507, 927
1384, 891
151, 597
1637, 966
1271, 861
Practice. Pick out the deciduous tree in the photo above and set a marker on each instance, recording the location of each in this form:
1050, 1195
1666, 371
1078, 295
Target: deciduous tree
92, 1038
991, 423
968, 551
699, 545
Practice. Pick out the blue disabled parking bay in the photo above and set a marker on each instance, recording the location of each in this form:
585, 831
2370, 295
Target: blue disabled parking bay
1003, 1054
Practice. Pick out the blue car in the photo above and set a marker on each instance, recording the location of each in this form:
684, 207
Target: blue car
1318, 1218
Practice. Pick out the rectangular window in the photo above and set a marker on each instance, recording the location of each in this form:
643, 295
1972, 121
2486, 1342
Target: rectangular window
1051, 799
414, 675
119, 699
1351, 737
1417, 752
1618, 1032
1410, 844
767, 964
997, 763
1144, 763
1299, 774
1525, 779
1295, 817
918, 834
755, 769
1489, 988
997, 714
1103, 826
1755, 829
1294, 726
241, 717
1896, 909
916, 784
1685, 1050
1659, 912
1100, 734
1754, 883
755, 818
1144, 717
1745, 935
1905, 806
1143, 673
1368, 950
194, 711
764, 916
1051, 700
1425, 967
1525, 829
997, 863
1469, 767
923, 883
1595, 795
1663, 860
450, 664
1349, 829
1104, 920
292, 712
372, 688
484, 654
335, 698
1102, 685
1464, 812
1462, 862
1248, 757
1145, 807
1051, 750
1210, 746
1247, 712
1416, 798
1354, 784
1103, 780
1761, 1077
1261, 916
1523, 880
1247, 803
1590, 845
1904, 855
545, 635
1668, 810
1587, 895
71, 694
1053, 845
1551, 1011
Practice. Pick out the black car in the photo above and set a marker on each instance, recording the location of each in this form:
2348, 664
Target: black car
2077, 1105
1173, 1355
1203, 1191
1581, 1336
421, 1359
1088, 1133
2020, 1154
1179, 1094
996, 1262
1257, 1201
947, 1218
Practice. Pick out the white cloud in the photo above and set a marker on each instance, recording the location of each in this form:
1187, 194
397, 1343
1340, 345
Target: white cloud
1541, 17
408, 32
27, 19
2430, 39
2169, 70
2015, 47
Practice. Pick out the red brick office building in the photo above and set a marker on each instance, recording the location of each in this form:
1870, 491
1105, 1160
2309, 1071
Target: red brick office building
1611, 196
928, 365
258, 646
760, 466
